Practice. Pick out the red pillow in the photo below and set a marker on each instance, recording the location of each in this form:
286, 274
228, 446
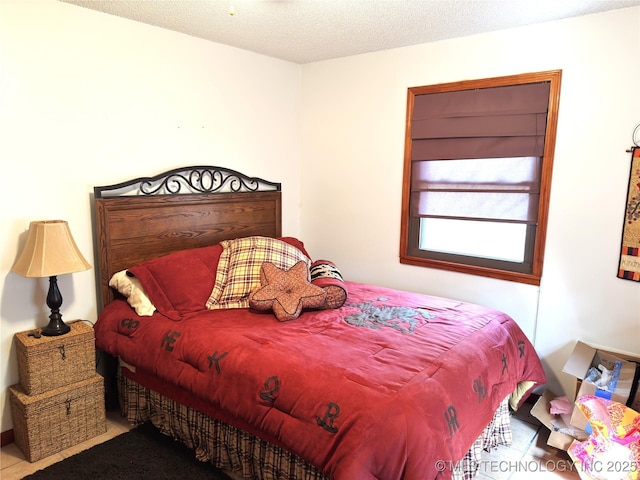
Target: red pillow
294, 242
180, 283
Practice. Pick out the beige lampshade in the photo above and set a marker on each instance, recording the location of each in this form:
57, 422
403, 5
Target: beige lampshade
50, 250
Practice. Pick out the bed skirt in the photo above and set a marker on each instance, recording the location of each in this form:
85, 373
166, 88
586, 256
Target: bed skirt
244, 456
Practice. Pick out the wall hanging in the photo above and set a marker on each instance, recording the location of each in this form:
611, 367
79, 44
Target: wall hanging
629, 266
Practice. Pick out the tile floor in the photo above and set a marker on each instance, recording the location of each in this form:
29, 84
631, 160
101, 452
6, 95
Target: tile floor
527, 458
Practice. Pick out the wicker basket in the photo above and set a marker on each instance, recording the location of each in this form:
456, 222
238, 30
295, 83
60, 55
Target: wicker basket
47, 363
50, 422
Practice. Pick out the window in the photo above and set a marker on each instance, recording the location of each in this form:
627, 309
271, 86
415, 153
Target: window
477, 175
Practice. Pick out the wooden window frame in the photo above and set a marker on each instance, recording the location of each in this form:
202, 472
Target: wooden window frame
409, 233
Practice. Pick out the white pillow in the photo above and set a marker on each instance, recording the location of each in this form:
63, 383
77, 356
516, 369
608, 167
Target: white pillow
132, 290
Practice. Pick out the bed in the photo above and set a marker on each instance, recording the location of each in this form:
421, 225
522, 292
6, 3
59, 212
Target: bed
239, 343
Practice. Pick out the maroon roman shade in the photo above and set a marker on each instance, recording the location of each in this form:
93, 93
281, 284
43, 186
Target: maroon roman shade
488, 122
476, 154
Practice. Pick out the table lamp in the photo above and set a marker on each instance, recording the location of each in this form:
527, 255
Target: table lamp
51, 251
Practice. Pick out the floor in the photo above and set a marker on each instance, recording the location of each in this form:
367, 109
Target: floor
528, 456
14, 466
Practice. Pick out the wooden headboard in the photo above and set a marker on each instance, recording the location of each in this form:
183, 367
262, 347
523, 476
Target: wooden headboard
188, 207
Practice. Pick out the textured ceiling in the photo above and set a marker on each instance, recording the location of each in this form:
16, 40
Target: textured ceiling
304, 31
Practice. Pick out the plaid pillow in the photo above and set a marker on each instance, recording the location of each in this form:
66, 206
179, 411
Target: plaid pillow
239, 268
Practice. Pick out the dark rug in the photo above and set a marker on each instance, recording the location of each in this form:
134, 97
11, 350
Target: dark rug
142, 453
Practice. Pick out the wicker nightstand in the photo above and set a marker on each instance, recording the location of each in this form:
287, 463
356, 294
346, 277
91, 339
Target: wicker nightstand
60, 399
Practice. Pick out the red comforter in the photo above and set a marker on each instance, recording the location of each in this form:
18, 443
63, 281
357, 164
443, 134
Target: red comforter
386, 387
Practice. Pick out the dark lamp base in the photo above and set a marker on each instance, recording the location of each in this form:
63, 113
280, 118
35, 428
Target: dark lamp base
53, 329
54, 300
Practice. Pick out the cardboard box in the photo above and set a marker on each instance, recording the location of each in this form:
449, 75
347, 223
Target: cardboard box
582, 359
541, 411
634, 404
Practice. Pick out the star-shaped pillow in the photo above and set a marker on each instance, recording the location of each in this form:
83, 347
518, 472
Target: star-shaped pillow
286, 292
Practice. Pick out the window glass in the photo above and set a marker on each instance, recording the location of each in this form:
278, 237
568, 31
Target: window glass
499, 241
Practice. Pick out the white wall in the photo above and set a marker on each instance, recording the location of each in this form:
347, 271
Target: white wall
353, 144
90, 99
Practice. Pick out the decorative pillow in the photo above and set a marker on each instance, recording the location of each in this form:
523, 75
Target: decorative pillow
132, 290
239, 268
325, 274
294, 242
286, 292
179, 283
